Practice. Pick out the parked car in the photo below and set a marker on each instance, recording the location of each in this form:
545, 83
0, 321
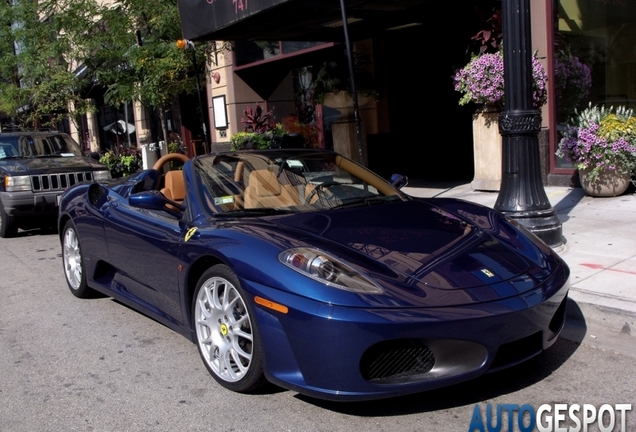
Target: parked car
35, 168
304, 269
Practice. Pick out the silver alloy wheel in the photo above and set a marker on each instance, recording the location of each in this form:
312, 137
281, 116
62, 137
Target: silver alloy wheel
72, 257
224, 329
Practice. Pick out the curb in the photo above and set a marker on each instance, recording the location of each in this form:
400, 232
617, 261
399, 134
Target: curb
600, 327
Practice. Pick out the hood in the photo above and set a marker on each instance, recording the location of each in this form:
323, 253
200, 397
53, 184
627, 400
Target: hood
433, 253
43, 165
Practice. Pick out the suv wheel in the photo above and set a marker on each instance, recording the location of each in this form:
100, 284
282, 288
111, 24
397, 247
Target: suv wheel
8, 225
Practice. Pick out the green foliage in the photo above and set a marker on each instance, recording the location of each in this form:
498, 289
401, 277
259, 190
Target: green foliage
38, 58
123, 162
176, 147
257, 140
615, 126
41, 76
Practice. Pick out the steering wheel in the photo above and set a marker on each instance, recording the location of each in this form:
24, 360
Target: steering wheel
169, 158
320, 187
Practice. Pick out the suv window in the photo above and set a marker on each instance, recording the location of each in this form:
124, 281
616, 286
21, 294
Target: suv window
37, 146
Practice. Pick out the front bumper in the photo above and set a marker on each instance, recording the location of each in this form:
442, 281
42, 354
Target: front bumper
332, 352
28, 203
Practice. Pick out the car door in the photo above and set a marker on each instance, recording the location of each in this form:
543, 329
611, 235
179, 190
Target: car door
143, 246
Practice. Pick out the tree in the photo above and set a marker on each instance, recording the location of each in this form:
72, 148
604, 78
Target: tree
127, 47
39, 52
136, 57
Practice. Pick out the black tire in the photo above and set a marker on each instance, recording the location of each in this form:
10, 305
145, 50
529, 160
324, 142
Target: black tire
73, 263
230, 346
8, 224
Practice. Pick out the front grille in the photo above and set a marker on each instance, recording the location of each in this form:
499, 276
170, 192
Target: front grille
397, 360
53, 182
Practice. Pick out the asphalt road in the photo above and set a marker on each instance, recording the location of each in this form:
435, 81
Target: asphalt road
95, 365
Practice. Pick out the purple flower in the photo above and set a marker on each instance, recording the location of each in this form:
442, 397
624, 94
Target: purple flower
482, 81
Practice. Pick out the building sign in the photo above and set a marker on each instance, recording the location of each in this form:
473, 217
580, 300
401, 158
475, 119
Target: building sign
202, 17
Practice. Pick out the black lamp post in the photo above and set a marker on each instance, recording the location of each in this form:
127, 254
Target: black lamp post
188, 45
522, 196
354, 92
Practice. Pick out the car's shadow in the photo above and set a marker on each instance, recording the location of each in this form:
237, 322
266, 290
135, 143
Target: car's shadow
36, 231
474, 391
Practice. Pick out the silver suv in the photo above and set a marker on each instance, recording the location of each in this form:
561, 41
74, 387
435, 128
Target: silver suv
35, 168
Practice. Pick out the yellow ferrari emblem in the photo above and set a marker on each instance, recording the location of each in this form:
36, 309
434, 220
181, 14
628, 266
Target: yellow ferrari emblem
190, 233
487, 273
223, 329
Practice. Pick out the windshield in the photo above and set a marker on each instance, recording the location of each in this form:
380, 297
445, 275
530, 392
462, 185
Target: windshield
273, 182
25, 146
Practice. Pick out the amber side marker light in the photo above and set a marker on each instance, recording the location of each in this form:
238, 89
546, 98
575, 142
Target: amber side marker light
271, 305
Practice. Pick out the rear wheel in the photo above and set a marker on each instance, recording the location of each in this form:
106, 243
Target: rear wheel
8, 224
74, 263
226, 334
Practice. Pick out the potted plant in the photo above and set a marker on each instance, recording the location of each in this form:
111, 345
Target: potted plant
601, 144
332, 85
261, 131
481, 82
122, 162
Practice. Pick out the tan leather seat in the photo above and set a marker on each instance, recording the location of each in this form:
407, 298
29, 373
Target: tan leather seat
264, 190
174, 187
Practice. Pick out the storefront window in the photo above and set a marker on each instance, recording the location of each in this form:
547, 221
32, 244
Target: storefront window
247, 52
594, 56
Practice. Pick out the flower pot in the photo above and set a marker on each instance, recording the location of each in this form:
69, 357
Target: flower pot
487, 150
343, 102
609, 183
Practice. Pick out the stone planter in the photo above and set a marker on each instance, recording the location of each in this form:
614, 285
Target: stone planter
609, 183
345, 140
343, 102
487, 150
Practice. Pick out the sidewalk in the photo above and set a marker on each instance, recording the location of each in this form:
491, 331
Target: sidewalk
600, 248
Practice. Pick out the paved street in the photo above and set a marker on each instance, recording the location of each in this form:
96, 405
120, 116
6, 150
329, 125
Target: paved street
95, 365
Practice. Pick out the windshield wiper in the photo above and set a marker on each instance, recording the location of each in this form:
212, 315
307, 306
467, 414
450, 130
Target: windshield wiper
265, 211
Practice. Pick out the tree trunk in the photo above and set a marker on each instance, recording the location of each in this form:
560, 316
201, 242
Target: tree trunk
164, 128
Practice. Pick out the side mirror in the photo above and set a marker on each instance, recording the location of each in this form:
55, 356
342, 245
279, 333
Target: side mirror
399, 181
93, 155
155, 200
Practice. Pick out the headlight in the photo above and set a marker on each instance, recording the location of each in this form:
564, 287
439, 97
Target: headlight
101, 175
328, 270
17, 183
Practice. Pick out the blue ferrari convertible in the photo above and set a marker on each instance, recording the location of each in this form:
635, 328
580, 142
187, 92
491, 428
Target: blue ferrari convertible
304, 269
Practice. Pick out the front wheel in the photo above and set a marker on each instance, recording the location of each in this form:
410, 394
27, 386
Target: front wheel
8, 224
226, 334
73, 263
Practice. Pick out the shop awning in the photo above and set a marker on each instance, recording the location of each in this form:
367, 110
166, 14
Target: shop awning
301, 20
